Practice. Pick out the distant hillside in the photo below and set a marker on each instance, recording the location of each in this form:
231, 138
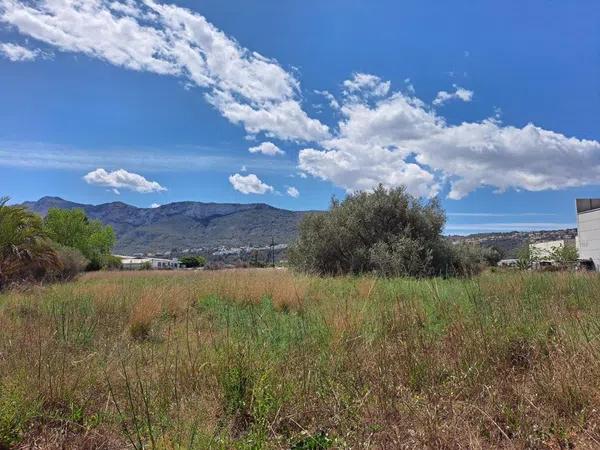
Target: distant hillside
186, 225
511, 242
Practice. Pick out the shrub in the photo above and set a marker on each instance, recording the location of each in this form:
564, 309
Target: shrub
193, 261
492, 255
386, 231
70, 264
111, 262
524, 257
565, 255
467, 260
72, 228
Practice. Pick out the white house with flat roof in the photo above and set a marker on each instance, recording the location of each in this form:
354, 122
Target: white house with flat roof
133, 263
588, 230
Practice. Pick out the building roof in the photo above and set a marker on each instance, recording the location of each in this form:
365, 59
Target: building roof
587, 204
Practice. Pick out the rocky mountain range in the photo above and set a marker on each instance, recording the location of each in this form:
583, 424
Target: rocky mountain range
179, 227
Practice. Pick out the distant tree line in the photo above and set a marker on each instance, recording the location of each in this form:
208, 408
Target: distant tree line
388, 232
57, 247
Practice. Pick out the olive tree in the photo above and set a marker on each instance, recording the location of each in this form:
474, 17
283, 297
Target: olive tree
387, 231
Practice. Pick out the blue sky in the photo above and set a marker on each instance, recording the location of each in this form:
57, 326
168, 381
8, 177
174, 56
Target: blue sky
493, 106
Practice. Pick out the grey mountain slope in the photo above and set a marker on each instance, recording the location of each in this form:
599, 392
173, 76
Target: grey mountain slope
184, 225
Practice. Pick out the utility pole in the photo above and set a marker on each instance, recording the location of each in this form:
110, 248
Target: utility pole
273, 250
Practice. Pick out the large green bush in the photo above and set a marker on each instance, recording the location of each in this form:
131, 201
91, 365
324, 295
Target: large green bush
72, 228
386, 231
193, 261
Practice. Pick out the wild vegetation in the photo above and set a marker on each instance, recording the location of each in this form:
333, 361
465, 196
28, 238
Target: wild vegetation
54, 249
388, 232
192, 261
25, 250
563, 256
72, 228
254, 359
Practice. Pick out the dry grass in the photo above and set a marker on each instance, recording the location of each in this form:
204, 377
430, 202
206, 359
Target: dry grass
270, 359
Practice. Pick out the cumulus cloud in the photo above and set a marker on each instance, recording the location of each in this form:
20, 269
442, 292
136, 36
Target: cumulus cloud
267, 148
155, 205
249, 184
398, 140
381, 136
530, 158
246, 87
121, 179
293, 192
366, 84
15, 52
459, 94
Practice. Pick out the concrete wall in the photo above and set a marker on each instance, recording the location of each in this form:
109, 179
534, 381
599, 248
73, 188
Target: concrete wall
588, 231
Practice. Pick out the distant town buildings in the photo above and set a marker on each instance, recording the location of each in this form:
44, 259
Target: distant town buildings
588, 230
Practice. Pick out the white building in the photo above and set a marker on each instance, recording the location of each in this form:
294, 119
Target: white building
136, 263
543, 250
588, 230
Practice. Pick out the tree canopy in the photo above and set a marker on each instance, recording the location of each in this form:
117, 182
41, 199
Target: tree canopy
72, 228
193, 261
387, 231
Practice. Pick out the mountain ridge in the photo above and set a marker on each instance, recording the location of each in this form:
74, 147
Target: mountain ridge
177, 226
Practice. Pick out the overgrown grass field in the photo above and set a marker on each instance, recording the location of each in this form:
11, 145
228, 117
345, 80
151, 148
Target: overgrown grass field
255, 359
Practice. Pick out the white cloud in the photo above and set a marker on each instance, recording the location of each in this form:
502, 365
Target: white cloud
459, 94
33, 155
116, 191
122, 179
284, 119
333, 103
366, 84
267, 148
155, 205
398, 140
364, 168
15, 52
244, 86
249, 184
382, 136
530, 158
293, 192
